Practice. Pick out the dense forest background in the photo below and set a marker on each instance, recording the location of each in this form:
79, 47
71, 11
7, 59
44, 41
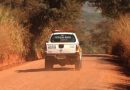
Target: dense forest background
117, 13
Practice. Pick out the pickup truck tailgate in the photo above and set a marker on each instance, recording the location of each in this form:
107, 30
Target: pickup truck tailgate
59, 48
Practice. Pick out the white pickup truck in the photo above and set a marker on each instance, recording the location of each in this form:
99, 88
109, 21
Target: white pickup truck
63, 48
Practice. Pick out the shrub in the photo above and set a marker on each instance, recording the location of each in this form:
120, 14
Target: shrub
39, 44
120, 37
13, 37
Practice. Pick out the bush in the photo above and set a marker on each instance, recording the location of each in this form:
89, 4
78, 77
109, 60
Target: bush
120, 37
41, 40
14, 39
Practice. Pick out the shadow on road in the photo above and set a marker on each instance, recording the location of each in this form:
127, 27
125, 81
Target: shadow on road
121, 68
124, 71
121, 87
43, 69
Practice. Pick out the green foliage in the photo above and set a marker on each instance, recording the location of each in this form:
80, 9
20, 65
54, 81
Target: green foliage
112, 8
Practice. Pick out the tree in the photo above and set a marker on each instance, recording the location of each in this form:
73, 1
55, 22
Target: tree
38, 14
112, 8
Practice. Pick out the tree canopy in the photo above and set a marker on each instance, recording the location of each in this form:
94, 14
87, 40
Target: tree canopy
112, 8
40, 13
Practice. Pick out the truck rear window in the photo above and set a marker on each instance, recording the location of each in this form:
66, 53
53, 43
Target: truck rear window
63, 38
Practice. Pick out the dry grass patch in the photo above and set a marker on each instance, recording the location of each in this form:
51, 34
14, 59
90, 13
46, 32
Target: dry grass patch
14, 39
120, 37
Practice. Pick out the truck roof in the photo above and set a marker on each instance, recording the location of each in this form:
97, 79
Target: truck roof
63, 33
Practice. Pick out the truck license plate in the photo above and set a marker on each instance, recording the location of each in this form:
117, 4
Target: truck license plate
60, 57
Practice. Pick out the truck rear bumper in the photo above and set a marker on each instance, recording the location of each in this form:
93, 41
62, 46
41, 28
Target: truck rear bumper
62, 59
69, 54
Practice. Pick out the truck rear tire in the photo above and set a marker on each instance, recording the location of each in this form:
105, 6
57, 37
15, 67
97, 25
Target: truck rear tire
78, 64
48, 64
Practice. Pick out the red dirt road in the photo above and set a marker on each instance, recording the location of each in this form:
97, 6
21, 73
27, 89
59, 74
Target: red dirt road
96, 74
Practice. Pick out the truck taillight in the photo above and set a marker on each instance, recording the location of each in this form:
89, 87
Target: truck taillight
45, 47
77, 48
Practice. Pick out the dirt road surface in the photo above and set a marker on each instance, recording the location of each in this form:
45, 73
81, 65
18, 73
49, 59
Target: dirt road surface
96, 74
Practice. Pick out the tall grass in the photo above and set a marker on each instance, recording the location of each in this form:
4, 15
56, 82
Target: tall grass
120, 37
40, 42
14, 39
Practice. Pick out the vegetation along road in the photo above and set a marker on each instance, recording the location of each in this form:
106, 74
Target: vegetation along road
97, 73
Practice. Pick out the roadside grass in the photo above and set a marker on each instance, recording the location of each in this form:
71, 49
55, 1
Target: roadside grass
120, 37
40, 42
14, 39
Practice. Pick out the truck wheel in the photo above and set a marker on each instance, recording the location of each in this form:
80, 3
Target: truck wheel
78, 64
48, 64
